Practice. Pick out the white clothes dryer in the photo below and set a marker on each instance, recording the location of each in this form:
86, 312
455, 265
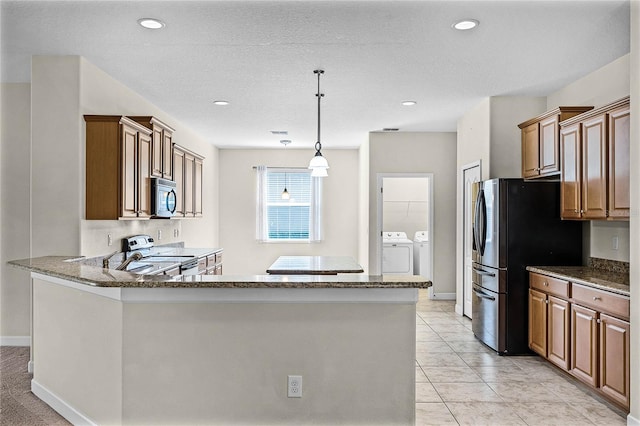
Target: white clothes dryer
397, 253
422, 255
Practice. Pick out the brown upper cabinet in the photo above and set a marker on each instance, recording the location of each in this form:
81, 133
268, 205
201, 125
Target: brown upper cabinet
188, 176
118, 170
540, 136
161, 148
595, 163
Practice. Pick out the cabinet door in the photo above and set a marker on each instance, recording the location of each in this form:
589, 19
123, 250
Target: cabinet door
614, 358
144, 175
619, 202
530, 151
558, 332
197, 187
538, 322
167, 155
178, 177
128, 172
189, 163
549, 152
594, 165
156, 152
570, 172
584, 344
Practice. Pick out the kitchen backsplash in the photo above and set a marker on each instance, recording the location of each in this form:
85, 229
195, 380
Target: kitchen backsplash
609, 265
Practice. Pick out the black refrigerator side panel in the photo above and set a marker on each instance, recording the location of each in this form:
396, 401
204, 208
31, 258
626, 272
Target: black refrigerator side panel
534, 235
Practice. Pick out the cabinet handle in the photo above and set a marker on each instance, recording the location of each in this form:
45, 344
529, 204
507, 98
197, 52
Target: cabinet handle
575, 211
596, 298
546, 284
581, 211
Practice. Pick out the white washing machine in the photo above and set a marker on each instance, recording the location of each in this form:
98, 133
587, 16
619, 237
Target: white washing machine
422, 255
397, 253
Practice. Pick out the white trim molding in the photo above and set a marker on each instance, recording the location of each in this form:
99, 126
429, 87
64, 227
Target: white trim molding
61, 407
632, 421
15, 340
442, 296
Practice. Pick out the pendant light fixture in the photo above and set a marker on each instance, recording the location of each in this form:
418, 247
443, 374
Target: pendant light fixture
318, 163
285, 194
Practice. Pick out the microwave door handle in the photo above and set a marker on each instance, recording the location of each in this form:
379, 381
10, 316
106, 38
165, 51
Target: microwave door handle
175, 199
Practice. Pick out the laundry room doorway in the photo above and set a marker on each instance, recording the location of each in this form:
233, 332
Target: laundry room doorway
405, 224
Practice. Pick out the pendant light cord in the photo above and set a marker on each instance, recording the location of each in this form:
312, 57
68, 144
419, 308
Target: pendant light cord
319, 95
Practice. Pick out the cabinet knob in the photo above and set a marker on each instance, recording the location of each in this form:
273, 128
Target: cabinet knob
575, 211
581, 211
546, 284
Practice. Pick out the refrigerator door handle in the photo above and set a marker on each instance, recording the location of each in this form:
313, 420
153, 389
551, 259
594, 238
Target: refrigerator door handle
483, 210
483, 295
482, 272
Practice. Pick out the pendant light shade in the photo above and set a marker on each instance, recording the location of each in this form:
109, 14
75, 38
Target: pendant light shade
285, 194
318, 163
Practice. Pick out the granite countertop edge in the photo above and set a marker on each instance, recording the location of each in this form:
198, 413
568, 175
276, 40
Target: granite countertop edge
614, 282
71, 269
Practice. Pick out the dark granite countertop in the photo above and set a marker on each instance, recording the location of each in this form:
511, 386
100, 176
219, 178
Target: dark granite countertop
73, 269
616, 282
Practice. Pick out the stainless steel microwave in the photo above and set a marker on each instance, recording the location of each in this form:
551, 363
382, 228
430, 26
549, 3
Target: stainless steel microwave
163, 198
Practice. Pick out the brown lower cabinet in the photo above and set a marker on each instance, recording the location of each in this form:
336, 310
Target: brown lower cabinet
584, 331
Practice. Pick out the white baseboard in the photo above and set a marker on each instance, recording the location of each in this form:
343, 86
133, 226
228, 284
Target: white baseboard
458, 310
632, 421
442, 296
64, 409
15, 341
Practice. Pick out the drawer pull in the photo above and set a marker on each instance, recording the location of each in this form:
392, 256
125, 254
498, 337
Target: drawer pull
596, 298
546, 284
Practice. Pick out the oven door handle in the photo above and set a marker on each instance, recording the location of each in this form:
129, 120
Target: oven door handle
482, 272
483, 295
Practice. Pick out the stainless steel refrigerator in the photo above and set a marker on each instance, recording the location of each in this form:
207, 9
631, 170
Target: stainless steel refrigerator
516, 223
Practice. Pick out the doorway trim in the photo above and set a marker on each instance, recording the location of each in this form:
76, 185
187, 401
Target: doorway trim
461, 265
379, 216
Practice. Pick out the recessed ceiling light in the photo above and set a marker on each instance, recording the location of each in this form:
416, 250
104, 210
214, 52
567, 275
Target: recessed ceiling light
409, 103
151, 23
221, 102
465, 24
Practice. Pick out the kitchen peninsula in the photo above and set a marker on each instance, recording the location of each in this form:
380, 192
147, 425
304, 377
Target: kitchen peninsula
112, 347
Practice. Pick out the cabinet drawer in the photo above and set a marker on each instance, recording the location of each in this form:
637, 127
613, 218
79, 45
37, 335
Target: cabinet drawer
211, 260
549, 285
603, 301
202, 264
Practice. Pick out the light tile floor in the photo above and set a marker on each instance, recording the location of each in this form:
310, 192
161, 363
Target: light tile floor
460, 381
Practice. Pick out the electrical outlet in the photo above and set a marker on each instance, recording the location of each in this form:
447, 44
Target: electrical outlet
614, 243
109, 240
176, 233
159, 234
294, 386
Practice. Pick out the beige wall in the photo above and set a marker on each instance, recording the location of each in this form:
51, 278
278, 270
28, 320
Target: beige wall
48, 188
413, 152
634, 418
598, 88
225, 363
489, 134
101, 94
64, 88
14, 212
245, 255
363, 206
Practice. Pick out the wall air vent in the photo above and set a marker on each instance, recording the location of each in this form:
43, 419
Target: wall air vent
279, 132
390, 129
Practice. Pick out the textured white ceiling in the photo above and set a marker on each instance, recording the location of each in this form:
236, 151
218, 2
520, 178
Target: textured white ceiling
260, 56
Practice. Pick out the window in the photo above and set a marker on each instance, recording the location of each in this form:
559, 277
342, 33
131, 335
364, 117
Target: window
295, 219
